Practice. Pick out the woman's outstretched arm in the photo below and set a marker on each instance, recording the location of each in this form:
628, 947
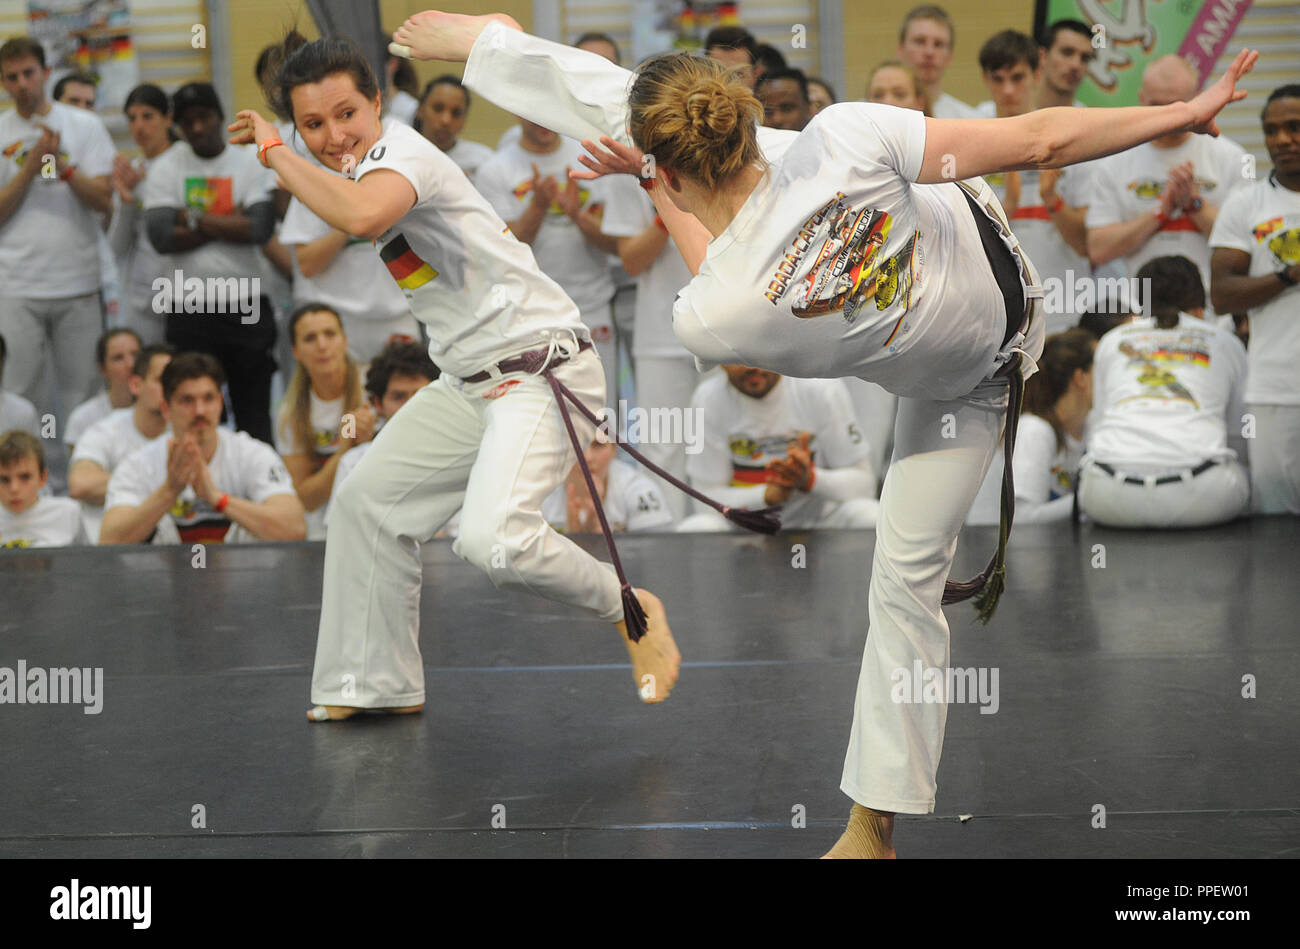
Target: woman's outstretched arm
1052, 138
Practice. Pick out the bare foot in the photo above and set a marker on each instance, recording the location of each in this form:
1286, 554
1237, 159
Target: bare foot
655, 659
338, 713
869, 836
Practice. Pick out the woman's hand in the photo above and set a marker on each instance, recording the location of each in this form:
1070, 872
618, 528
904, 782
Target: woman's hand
1211, 101
249, 128
614, 159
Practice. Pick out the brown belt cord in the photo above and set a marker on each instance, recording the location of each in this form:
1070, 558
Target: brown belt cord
988, 586
764, 521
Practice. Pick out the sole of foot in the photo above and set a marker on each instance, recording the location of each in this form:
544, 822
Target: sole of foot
339, 713
655, 659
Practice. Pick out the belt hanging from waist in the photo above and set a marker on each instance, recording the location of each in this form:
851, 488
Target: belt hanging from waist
1006, 270
530, 362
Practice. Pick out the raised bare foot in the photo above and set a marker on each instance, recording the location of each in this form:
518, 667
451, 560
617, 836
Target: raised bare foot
869, 836
655, 659
338, 713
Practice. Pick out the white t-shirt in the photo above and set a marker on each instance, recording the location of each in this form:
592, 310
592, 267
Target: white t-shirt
178, 178
325, 419
628, 213
85, 415
1263, 220
1128, 184
470, 156
1043, 474
562, 253
49, 246
472, 283
632, 502
17, 413
1166, 397
742, 434
402, 106
355, 283
137, 260
50, 522
242, 467
111, 440
948, 107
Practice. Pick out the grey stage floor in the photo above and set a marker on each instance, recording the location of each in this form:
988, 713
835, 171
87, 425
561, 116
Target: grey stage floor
1119, 686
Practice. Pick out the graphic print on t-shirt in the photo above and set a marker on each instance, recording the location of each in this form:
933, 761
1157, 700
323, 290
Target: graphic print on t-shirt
198, 523
844, 274
407, 269
1285, 246
1159, 380
214, 195
750, 456
524, 188
19, 151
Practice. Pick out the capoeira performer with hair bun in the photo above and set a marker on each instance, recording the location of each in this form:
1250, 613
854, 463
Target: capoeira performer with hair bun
846, 249
485, 438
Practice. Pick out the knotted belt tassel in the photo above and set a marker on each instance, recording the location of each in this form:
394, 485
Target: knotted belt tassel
988, 586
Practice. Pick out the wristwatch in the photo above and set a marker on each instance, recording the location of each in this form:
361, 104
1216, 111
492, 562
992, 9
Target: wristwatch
1285, 276
1195, 205
192, 216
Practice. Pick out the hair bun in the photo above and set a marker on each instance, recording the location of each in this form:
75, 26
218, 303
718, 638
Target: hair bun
711, 110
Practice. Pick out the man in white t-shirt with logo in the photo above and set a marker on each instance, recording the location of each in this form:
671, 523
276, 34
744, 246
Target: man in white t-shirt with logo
632, 500
1256, 270
1161, 198
1168, 395
208, 209
27, 517
54, 166
111, 440
205, 484
528, 184
772, 439
925, 42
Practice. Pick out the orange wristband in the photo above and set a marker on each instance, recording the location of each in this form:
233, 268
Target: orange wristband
659, 222
647, 183
222, 501
1060, 203
264, 147
812, 478
68, 172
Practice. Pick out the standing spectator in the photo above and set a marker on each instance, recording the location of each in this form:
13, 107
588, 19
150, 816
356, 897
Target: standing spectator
1162, 198
443, 110
602, 44
54, 167
205, 484
108, 442
735, 48
115, 354
528, 184
1256, 267
1049, 436
767, 62
820, 94
400, 96
892, 83
1046, 208
149, 117
26, 518
324, 412
784, 94
925, 42
1065, 51
77, 89
632, 500
773, 439
208, 208
15, 411
1169, 398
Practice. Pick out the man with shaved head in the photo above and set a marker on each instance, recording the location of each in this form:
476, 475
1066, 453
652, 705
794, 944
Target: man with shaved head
1162, 198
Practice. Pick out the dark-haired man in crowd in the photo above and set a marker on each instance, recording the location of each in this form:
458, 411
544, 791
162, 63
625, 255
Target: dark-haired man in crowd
205, 484
784, 95
735, 48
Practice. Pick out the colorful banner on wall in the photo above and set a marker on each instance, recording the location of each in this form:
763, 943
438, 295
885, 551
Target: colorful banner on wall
662, 25
1128, 34
93, 36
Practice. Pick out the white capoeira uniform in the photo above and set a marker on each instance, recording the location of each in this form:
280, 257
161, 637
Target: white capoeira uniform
839, 265
497, 447
1169, 402
1263, 220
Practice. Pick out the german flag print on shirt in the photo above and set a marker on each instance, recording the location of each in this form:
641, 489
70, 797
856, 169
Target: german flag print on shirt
407, 269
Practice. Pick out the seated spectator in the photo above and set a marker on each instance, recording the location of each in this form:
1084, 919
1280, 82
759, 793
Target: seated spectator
1049, 439
205, 484
28, 519
442, 113
820, 94
769, 439
1170, 398
15, 411
784, 94
115, 354
1098, 322
108, 442
892, 83
396, 374
632, 501
324, 412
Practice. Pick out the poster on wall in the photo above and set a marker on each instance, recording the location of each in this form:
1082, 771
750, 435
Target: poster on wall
1128, 34
93, 36
662, 25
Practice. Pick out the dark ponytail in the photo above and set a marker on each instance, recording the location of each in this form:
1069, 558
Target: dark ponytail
312, 62
1063, 354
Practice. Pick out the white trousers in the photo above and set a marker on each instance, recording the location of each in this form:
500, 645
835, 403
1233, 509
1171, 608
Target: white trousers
449, 447
1275, 459
667, 382
1215, 496
52, 334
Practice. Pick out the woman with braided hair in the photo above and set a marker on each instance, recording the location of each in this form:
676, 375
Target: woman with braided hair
865, 246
